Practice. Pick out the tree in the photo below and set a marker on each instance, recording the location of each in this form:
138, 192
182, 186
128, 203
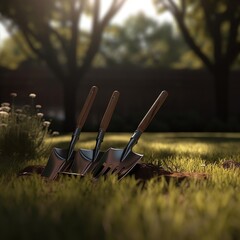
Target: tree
211, 29
53, 31
143, 42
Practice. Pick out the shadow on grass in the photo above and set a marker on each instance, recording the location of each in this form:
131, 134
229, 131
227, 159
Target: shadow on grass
204, 138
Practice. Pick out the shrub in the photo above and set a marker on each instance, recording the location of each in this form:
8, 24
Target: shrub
22, 130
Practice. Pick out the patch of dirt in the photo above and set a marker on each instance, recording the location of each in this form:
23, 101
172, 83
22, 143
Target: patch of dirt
231, 164
146, 171
180, 176
142, 171
29, 170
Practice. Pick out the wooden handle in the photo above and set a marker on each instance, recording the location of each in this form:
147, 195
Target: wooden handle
152, 111
109, 111
87, 106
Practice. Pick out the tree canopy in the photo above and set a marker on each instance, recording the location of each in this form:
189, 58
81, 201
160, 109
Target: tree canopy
142, 41
53, 32
211, 28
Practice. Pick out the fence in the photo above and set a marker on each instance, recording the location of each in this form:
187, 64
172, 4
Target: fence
190, 102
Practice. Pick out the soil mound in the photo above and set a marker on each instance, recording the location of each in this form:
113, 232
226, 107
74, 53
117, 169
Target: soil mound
142, 171
231, 164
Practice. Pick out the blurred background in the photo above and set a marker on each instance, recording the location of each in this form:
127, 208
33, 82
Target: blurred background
58, 49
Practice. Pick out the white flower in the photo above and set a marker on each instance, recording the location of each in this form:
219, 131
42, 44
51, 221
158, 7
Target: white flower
38, 106
3, 114
32, 95
46, 123
5, 104
18, 110
5, 109
40, 115
13, 94
55, 133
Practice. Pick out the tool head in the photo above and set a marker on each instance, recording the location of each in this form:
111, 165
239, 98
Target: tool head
83, 160
55, 163
61, 159
114, 164
121, 161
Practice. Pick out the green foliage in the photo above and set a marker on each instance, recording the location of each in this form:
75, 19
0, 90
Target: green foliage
14, 51
22, 131
106, 209
142, 41
210, 28
53, 33
10, 55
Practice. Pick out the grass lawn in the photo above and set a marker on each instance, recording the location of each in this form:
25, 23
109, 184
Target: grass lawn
72, 208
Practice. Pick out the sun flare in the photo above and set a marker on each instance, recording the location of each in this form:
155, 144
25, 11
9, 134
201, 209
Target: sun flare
131, 7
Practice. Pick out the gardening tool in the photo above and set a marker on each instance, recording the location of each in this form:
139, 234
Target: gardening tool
61, 159
121, 161
85, 159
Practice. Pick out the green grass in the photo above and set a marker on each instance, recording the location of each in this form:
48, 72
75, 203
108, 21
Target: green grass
72, 208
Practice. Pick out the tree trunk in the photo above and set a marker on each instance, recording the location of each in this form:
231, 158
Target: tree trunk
69, 90
221, 78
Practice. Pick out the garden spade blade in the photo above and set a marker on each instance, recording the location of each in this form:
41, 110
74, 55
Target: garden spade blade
121, 161
61, 159
85, 159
